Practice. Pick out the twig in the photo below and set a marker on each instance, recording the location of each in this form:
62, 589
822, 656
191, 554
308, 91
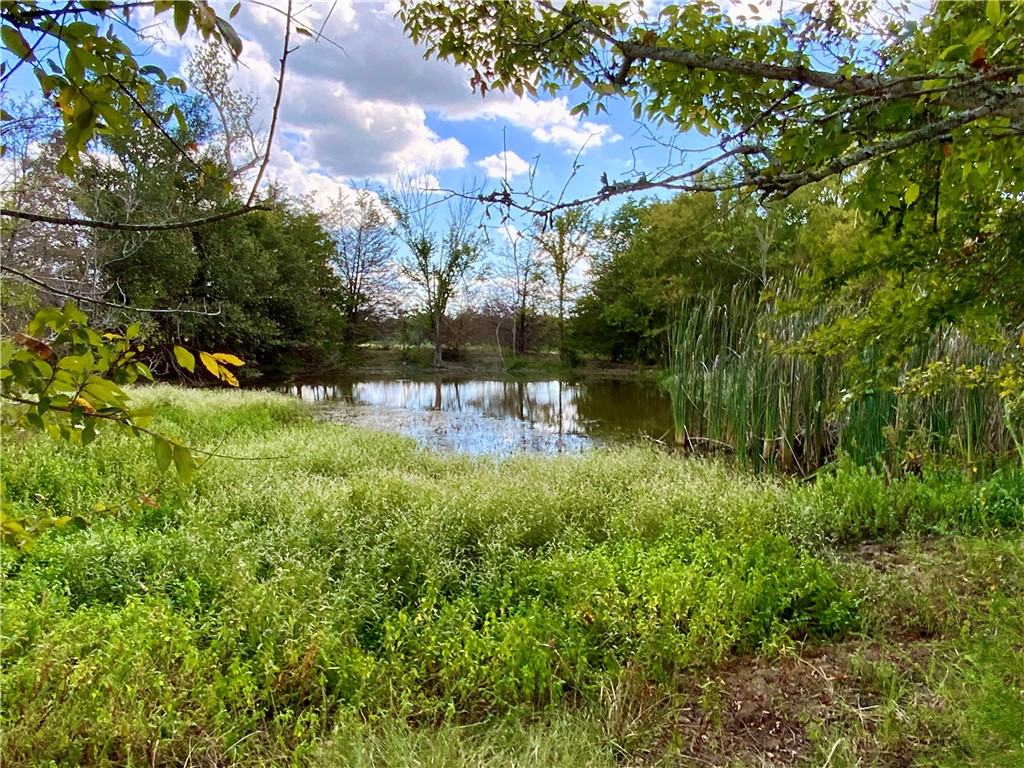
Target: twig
277, 105
102, 302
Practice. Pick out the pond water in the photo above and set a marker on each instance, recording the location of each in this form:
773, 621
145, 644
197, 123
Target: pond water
498, 417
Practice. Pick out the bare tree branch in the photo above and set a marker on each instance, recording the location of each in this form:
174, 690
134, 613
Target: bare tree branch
100, 302
277, 105
68, 221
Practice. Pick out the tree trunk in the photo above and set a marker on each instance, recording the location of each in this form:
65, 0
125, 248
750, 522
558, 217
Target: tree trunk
438, 358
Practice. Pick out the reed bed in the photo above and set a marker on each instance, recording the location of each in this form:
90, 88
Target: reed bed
737, 387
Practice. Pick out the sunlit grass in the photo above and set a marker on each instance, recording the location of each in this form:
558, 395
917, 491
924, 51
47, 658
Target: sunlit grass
334, 596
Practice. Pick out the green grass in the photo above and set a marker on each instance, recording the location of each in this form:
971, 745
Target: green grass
735, 384
341, 597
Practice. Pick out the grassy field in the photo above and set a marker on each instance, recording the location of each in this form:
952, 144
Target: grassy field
338, 597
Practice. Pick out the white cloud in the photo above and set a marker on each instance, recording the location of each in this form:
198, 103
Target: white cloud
549, 121
379, 64
296, 177
504, 165
363, 103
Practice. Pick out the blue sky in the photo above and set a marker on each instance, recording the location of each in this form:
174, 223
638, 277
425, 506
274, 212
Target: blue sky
367, 106
376, 108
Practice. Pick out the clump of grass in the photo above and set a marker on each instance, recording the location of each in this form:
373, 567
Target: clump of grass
736, 384
732, 385
255, 614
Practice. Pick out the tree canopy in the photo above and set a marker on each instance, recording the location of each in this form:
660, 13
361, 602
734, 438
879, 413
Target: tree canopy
86, 66
814, 93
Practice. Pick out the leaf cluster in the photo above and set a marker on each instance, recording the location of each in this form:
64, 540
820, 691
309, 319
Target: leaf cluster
89, 71
67, 379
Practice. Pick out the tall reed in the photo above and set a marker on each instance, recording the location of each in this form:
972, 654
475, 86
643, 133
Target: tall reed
736, 387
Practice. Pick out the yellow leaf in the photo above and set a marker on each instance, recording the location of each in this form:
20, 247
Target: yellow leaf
223, 357
210, 362
228, 377
85, 405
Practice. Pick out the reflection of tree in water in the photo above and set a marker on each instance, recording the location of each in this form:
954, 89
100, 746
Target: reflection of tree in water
604, 409
320, 393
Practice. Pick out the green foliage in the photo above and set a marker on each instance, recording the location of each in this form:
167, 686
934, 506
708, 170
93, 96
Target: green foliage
255, 614
71, 384
259, 285
658, 254
786, 118
89, 71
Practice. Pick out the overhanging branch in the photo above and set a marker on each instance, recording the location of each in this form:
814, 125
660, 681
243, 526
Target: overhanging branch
99, 302
68, 221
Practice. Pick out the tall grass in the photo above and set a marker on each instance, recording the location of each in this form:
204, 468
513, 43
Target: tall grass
336, 603
735, 386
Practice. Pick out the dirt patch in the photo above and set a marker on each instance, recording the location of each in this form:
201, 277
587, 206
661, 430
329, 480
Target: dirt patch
758, 713
772, 713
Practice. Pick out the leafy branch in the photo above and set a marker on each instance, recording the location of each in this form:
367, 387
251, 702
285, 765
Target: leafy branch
66, 379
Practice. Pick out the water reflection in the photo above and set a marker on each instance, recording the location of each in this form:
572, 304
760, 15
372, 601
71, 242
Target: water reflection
498, 417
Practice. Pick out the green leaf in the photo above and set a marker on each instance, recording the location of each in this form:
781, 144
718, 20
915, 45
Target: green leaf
175, 111
16, 43
164, 452
911, 194
228, 34
182, 10
72, 314
183, 463
234, 10
994, 12
185, 359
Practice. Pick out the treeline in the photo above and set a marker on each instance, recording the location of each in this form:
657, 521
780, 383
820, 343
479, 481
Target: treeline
294, 286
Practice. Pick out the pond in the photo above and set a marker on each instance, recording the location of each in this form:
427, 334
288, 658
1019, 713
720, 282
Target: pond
495, 417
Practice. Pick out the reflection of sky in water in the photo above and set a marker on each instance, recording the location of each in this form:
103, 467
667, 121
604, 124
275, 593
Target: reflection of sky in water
498, 417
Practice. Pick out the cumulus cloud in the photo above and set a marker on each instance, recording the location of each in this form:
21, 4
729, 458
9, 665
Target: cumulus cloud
549, 121
504, 165
379, 66
363, 103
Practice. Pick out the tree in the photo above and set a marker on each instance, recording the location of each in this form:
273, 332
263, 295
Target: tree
30, 181
235, 141
784, 121
564, 243
362, 229
522, 274
440, 257
656, 254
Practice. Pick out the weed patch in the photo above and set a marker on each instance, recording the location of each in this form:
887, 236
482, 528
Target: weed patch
355, 600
